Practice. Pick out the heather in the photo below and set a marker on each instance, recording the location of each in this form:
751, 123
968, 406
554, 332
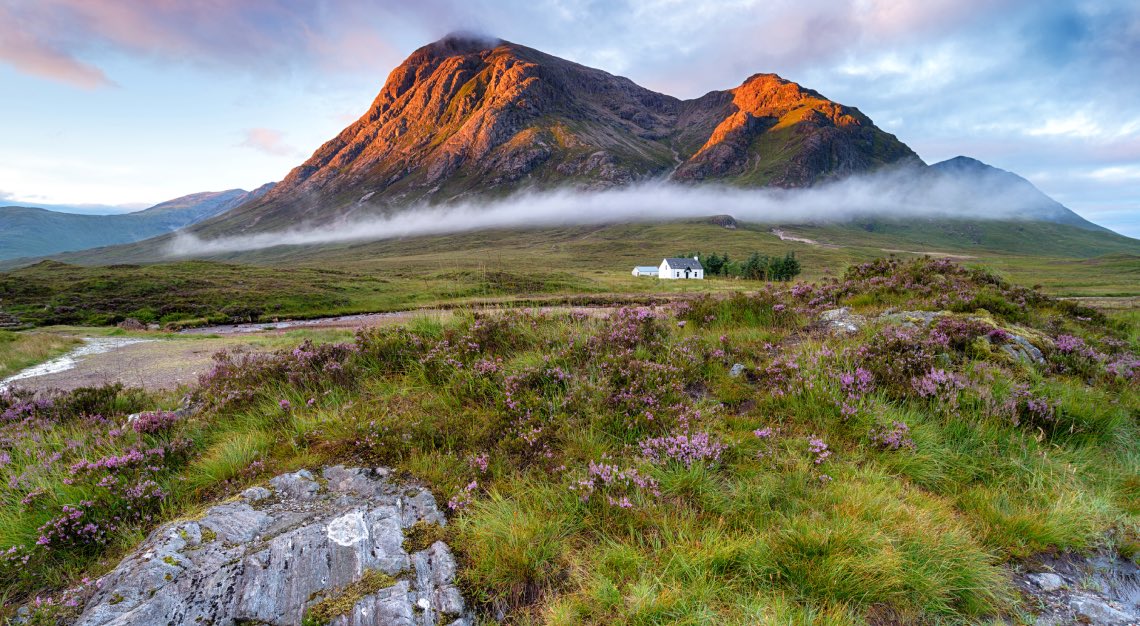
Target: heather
616, 468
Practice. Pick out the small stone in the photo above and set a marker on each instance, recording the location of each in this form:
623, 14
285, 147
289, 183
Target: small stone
1047, 581
737, 370
298, 485
256, 494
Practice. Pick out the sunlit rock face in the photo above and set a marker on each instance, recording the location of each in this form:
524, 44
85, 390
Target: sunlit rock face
276, 553
470, 116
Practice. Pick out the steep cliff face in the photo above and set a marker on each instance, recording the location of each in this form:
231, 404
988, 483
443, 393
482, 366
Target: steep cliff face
466, 116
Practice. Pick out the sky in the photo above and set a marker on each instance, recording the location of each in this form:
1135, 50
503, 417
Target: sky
133, 102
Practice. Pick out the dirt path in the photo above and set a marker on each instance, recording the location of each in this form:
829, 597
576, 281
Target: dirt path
811, 242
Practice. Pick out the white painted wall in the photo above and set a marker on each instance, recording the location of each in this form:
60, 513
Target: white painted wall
665, 272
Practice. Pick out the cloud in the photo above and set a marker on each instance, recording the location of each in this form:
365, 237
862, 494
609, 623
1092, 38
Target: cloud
21, 48
898, 193
268, 141
66, 40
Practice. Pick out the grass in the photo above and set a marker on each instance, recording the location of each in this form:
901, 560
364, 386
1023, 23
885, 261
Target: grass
529, 267
768, 502
341, 602
20, 350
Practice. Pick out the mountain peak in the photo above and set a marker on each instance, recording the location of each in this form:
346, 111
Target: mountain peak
471, 114
1012, 190
464, 42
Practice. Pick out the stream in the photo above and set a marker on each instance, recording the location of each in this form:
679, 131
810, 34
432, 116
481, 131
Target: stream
91, 345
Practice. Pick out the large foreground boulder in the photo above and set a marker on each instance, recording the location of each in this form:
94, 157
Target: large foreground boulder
329, 550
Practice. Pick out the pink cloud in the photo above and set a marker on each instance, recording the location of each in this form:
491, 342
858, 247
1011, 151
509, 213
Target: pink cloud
268, 141
31, 55
57, 39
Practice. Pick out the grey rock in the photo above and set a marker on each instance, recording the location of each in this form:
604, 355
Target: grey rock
1047, 581
187, 407
737, 370
298, 485
256, 494
1022, 350
1097, 611
1101, 588
842, 321
911, 318
267, 565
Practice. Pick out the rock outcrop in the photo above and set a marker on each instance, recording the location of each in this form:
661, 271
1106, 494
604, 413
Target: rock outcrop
842, 321
1073, 589
331, 549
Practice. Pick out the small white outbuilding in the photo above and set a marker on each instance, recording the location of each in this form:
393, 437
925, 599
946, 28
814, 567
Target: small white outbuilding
681, 268
645, 270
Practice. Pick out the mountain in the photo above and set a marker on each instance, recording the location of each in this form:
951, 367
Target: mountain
469, 116
81, 209
1001, 187
29, 231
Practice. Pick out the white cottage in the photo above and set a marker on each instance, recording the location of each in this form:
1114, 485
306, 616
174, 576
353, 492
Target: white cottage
676, 268
645, 270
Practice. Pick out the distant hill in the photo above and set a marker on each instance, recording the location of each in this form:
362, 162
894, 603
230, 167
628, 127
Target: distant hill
28, 231
1002, 187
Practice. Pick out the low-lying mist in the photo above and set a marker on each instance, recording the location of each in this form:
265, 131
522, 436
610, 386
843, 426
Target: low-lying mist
889, 194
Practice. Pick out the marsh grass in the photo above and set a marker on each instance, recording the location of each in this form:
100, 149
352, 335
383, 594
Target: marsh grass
766, 498
20, 350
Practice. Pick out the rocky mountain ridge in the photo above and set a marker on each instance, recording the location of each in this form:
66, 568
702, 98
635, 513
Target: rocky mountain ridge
467, 116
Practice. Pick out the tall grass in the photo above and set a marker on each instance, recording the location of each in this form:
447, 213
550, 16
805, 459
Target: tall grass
19, 350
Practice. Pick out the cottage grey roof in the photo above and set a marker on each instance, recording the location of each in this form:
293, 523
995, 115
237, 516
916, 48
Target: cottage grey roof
684, 264
646, 268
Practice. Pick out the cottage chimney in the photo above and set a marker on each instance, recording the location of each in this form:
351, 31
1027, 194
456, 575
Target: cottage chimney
695, 258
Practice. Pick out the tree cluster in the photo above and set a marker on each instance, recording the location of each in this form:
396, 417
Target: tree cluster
756, 267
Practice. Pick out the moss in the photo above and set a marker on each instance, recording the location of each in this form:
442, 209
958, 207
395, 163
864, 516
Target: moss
208, 535
169, 560
421, 535
342, 600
